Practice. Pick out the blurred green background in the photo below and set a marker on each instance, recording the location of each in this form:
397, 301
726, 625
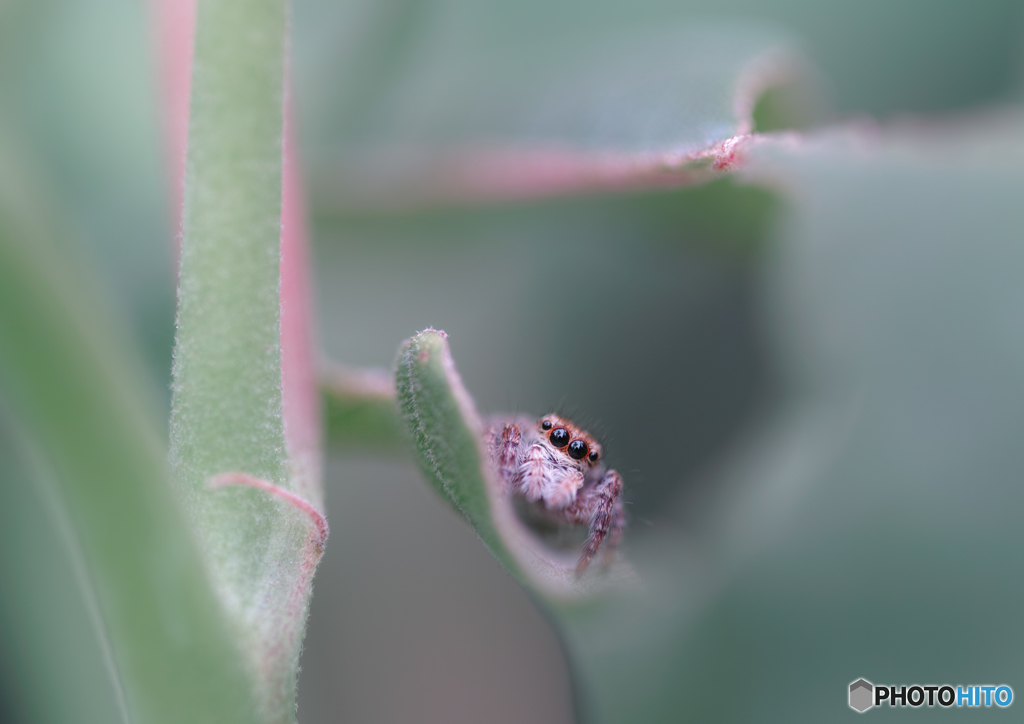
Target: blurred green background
815, 402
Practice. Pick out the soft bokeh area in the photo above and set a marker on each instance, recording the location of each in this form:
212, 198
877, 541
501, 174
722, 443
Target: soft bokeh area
810, 373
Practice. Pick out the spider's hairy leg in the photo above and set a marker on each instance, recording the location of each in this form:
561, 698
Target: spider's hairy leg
606, 515
615, 536
504, 450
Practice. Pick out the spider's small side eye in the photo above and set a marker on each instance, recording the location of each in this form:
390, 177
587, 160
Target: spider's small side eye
559, 437
577, 449
594, 456
546, 425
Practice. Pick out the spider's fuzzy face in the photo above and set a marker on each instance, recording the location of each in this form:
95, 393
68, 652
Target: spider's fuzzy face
574, 442
556, 466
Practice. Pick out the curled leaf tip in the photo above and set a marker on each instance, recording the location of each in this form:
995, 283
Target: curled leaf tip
449, 438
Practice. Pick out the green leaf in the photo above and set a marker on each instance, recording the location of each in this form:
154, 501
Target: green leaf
894, 297
448, 434
261, 539
361, 412
58, 661
76, 393
452, 106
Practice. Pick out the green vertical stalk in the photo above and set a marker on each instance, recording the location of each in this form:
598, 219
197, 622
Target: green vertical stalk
227, 366
227, 404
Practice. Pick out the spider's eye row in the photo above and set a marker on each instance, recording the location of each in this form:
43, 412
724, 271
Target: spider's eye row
577, 449
559, 437
546, 425
594, 456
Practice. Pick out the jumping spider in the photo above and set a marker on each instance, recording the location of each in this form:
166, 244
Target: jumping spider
555, 465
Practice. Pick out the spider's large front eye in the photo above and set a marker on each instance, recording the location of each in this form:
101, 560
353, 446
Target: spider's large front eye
577, 449
559, 437
546, 425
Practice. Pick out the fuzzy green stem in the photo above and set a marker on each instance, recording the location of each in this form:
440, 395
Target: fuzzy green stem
227, 406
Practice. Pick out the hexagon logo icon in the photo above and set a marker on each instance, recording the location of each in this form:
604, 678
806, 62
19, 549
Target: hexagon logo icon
861, 695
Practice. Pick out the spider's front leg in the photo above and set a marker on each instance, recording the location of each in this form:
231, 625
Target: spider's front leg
605, 508
503, 443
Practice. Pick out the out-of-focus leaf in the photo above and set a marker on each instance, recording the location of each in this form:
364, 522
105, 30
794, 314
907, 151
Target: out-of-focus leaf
77, 92
464, 110
73, 388
863, 529
55, 663
873, 52
360, 410
261, 545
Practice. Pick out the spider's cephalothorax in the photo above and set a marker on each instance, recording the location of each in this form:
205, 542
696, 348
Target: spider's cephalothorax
556, 465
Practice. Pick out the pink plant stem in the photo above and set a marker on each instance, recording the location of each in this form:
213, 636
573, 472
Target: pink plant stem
317, 518
175, 29
299, 391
